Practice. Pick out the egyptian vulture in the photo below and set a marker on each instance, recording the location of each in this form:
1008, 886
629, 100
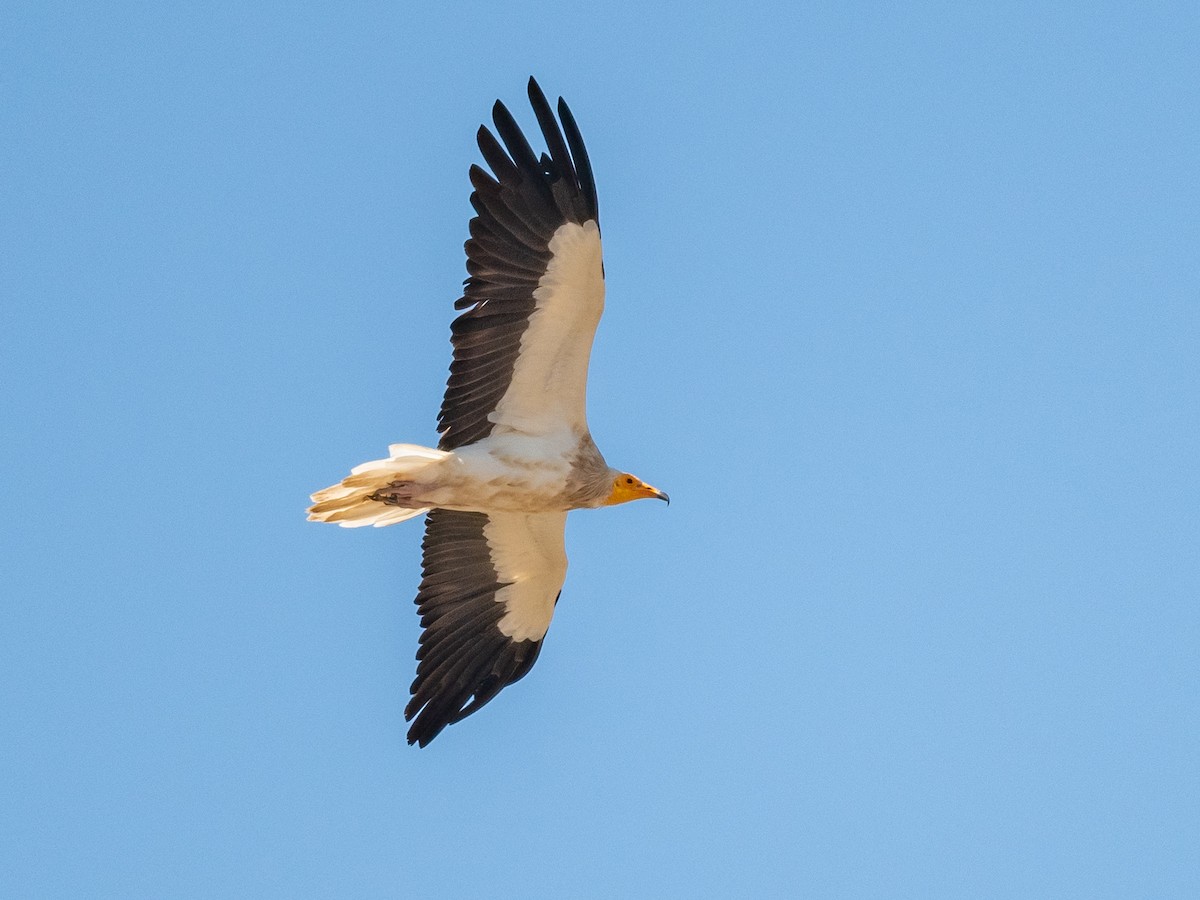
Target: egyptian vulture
515, 453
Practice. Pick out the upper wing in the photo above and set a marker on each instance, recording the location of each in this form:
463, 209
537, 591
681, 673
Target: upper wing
490, 582
536, 286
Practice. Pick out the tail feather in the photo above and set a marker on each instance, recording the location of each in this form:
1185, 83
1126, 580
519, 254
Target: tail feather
368, 478
369, 514
349, 502
396, 515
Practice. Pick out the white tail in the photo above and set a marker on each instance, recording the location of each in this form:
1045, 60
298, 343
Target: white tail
349, 503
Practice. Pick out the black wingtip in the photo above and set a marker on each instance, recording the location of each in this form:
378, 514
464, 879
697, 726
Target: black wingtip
422, 735
583, 165
537, 97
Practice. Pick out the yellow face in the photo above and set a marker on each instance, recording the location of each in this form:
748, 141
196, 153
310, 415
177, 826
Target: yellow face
628, 487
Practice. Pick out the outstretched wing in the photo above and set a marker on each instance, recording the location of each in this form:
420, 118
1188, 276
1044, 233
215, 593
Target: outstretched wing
536, 286
490, 582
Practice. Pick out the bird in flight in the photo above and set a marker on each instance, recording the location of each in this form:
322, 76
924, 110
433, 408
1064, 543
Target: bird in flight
515, 453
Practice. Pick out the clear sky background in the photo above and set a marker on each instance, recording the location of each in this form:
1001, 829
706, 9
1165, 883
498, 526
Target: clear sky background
904, 312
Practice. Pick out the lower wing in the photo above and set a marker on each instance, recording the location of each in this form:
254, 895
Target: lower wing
489, 585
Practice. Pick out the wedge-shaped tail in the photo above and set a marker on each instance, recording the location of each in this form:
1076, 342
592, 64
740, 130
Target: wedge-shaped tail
349, 502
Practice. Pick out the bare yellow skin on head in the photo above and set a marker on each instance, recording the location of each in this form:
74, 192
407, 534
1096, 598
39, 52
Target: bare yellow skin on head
628, 487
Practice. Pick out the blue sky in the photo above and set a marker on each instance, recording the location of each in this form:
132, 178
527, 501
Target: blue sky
904, 308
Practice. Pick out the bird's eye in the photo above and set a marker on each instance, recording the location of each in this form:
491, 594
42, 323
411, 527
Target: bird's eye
629, 481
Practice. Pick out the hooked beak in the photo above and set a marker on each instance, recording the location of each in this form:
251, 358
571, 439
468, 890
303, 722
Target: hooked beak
627, 488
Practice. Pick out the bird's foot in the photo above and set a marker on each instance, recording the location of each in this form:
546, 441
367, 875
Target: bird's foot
398, 493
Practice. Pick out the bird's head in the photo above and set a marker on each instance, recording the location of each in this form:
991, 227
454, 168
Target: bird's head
626, 487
